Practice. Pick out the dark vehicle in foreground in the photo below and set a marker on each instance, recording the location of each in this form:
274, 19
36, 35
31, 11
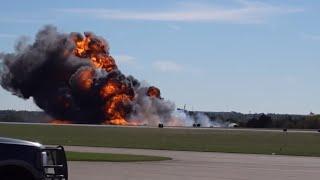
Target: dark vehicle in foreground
25, 160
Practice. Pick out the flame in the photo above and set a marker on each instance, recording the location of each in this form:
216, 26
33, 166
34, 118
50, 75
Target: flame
116, 95
73, 77
85, 81
57, 121
94, 49
110, 89
154, 92
117, 122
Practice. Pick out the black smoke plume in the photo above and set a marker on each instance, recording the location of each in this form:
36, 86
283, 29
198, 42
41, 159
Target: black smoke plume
68, 87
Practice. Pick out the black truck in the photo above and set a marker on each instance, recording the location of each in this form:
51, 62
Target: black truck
25, 160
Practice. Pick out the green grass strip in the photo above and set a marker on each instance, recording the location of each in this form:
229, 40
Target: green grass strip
291, 143
108, 157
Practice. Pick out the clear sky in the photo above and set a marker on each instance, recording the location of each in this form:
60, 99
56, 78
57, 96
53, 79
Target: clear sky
227, 55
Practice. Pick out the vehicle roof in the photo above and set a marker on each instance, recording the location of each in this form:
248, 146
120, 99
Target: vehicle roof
4, 140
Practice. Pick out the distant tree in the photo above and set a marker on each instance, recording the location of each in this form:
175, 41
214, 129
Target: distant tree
284, 121
232, 120
252, 123
312, 122
264, 121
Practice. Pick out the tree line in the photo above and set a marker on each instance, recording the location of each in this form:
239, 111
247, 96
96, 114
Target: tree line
265, 120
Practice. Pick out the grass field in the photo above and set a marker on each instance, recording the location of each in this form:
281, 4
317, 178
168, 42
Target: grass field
305, 144
84, 156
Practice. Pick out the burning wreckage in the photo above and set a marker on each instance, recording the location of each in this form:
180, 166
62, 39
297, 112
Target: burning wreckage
74, 79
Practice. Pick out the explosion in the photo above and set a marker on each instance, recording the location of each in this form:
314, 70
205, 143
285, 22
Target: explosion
73, 78
95, 49
154, 92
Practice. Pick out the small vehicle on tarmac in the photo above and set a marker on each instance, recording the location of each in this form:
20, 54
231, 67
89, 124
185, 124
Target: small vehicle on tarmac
25, 160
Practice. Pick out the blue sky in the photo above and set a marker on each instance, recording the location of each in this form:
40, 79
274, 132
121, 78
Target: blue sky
237, 55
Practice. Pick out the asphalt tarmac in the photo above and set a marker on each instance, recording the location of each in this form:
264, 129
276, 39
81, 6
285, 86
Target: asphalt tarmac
196, 166
316, 131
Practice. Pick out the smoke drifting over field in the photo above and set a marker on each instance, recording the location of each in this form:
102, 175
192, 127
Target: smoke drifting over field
73, 77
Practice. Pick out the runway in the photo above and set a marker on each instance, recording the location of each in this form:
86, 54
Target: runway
196, 166
172, 127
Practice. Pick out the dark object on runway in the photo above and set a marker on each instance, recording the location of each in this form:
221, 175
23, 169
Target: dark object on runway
285, 130
196, 125
318, 130
160, 125
25, 160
